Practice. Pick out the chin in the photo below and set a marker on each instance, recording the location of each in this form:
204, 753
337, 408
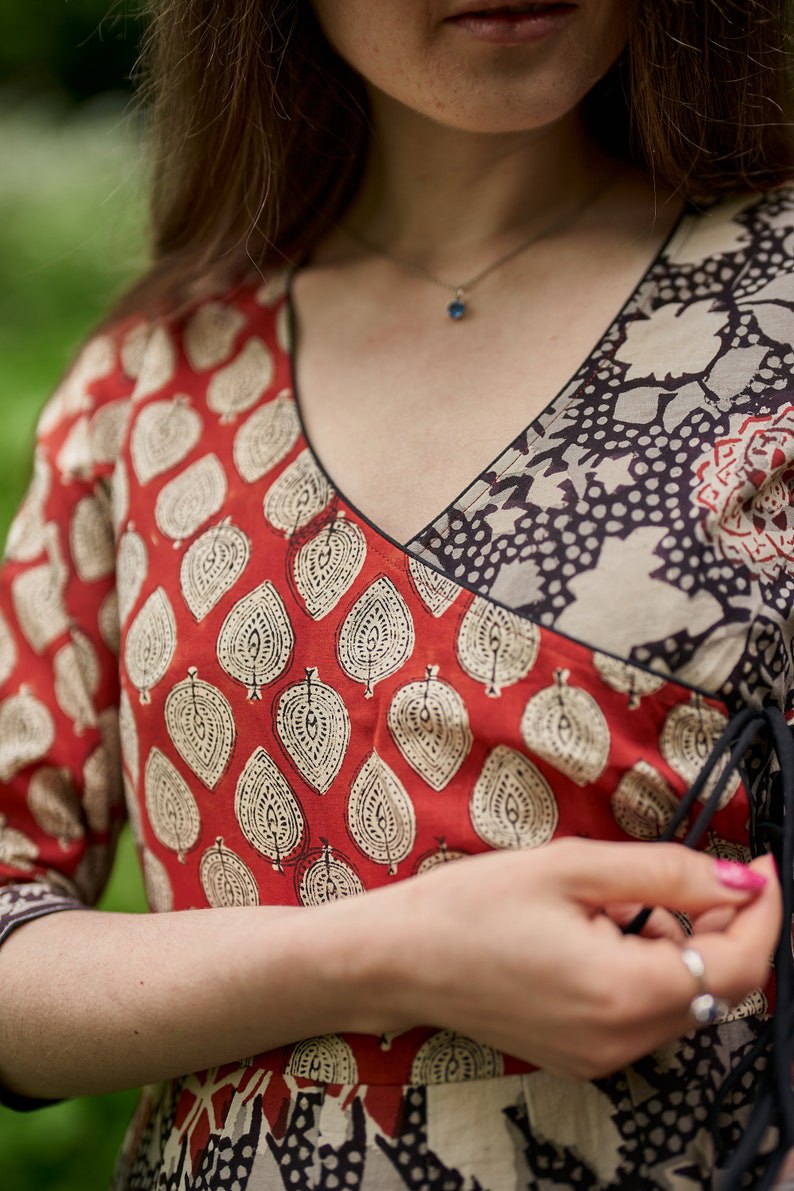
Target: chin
497, 111
499, 123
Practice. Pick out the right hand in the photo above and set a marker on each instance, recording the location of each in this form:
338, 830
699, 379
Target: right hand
518, 950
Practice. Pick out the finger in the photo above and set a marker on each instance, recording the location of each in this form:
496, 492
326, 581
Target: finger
737, 958
736, 961
661, 924
714, 920
664, 925
600, 874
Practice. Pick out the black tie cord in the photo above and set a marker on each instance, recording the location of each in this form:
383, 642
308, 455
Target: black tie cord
772, 830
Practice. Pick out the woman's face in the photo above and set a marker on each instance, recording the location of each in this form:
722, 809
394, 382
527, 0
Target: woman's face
478, 65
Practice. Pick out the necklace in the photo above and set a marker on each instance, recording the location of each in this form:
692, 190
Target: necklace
457, 308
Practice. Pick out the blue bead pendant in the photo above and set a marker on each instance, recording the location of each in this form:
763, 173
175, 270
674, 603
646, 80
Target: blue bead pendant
457, 307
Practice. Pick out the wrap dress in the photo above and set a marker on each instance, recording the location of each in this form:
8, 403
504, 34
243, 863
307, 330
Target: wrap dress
199, 633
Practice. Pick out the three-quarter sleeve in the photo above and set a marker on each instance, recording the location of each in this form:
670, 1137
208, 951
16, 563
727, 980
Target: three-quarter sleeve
61, 806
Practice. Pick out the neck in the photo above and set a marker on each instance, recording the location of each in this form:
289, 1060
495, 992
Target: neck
441, 195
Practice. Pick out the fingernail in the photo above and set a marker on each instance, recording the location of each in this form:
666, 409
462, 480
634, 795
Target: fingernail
739, 876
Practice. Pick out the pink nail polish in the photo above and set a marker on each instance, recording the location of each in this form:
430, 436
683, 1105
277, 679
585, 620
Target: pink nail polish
739, 876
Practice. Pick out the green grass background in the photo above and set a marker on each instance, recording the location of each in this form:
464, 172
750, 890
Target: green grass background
71, 235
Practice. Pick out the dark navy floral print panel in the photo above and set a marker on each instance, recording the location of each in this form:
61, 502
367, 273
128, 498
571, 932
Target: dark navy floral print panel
650, 508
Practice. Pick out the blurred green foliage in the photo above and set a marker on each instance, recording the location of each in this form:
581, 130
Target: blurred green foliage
80, 47
71, 234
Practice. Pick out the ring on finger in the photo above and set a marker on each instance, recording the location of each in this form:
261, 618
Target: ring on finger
704, 1008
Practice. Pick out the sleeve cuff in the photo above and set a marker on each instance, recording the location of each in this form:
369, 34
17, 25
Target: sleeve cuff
24, 902
18, 904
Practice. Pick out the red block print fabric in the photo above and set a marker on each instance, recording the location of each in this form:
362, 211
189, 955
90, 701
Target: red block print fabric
300, 710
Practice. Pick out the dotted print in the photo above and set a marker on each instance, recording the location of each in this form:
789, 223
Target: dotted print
664, 470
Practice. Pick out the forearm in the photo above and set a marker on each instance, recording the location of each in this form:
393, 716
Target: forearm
93, 1002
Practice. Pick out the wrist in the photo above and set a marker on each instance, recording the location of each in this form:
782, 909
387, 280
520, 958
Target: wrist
362, 953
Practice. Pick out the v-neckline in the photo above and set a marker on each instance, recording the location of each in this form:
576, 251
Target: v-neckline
413, 545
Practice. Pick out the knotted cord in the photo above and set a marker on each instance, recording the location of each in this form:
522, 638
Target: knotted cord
774, 1099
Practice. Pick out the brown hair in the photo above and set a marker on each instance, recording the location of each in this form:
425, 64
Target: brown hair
258, 131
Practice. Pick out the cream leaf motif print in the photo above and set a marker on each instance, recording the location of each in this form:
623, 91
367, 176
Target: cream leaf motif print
191, 498
132, 565
267, 810
106, 430
299, 495
151, 643
108, 621
627, 679
327, 566
95, 361
441, 856
447, 1057
313, 726
158, 365
430, 726
8, 650
200, 722
164, 433
27, 538
565, 726
212, 565
128, 734
55, 806
725, 849
240, 385
377, 636
36, 598
327, 877
27, 731
380, 814
256, 639
76, 680
173, 811
437, 592
73, 460
689, 735
91, 539
271, 292
133, 349
159, 893
101, 790
226, 879
266, 437
210, 335
643, 804
119, 497
495, 646
512, 804
326, 1059
17, 849
283, 329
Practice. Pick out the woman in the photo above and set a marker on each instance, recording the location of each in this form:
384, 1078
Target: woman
386, 235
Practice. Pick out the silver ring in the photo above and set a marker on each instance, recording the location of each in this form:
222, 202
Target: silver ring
704, 1009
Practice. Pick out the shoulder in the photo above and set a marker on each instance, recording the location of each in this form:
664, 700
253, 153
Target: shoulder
83, 419
207, 336
728, 276
84, 422
748, 228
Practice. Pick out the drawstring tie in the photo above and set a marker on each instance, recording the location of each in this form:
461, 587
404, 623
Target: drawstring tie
772, 830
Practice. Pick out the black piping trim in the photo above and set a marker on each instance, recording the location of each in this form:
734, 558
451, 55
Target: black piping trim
403, 549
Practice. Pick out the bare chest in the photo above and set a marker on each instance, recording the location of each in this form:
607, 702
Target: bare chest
405, 408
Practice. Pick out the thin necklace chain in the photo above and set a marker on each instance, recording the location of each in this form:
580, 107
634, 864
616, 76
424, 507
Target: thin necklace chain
457, 307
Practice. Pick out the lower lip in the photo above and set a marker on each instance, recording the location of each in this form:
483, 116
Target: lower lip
514, 28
